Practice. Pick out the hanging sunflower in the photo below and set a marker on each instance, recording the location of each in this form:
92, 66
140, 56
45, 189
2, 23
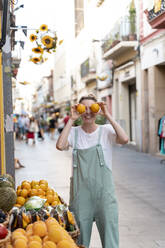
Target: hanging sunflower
44, 27
47, 41
33, 37
35, 60
38, 50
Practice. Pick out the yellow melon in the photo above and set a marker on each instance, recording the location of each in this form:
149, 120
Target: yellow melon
39, 228
34, 244
35, 238
49, 244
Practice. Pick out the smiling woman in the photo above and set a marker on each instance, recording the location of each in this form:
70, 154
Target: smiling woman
92, 170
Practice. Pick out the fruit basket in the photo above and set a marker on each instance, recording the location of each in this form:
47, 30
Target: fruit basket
4, 241
74, 234
4, 218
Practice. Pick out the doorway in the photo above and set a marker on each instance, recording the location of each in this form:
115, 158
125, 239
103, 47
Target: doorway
132, 110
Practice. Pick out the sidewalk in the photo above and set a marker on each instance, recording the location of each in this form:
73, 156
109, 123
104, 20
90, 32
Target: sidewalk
139, 180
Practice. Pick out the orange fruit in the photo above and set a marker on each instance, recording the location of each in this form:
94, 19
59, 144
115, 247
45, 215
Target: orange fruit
34, 244
40, 192
95, 107
55, 203
35, 238
20, 200
26, 185
39, 228
49, 244
20, 243
42, 181
50, 198
55, 234
43, 186
81, 108
18, 187
33, 183
17, 205
36, 186
65, 244
33, 192
24, 193
19, 192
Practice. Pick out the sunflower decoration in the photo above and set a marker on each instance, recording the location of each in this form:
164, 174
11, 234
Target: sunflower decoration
46, 42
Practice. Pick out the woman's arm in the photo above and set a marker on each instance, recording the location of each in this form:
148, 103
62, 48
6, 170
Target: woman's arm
62, 142
122, 137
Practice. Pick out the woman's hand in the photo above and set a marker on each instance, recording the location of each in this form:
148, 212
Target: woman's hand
74, 114
104, 109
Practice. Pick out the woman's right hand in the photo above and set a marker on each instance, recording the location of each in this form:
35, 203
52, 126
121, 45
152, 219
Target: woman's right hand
74, 114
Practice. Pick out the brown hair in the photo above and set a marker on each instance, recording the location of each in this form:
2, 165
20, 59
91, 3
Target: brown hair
88, 97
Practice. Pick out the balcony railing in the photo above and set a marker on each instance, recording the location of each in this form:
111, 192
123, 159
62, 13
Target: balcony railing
124, 30
153, 13
156, 16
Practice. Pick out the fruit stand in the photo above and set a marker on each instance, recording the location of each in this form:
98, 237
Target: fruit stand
34, 216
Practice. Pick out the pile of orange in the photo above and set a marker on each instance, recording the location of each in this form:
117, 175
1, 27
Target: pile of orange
41, 234
36, 188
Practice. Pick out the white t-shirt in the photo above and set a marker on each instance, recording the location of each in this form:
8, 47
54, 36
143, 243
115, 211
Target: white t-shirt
87, 140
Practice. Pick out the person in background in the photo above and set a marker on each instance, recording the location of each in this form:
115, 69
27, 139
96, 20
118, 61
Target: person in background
60, 123
92, 193
41, 126
32, 129
52, 125
66, 118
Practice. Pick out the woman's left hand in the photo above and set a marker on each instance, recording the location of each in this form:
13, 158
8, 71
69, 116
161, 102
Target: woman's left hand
104, 109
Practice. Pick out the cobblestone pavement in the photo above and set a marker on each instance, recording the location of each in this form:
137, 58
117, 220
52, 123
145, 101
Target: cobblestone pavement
139, 180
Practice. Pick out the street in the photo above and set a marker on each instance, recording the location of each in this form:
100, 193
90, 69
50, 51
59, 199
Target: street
139, 180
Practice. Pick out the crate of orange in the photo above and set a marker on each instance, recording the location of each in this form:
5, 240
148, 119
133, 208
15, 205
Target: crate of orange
36, 188
42, 234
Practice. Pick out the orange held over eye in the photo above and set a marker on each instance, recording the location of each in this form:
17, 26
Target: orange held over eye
81, 108
95, 107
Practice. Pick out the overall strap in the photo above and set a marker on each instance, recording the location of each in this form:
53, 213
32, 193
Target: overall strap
75, 138
99, 135
75, 148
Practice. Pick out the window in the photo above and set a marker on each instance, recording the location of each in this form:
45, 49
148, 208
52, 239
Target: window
79, 16
85, 68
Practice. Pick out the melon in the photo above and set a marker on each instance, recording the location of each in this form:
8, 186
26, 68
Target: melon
8, 198
4, 182
10, 179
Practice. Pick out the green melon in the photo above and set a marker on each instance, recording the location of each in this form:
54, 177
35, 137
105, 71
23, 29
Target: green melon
4, 182
8, 198
11, 179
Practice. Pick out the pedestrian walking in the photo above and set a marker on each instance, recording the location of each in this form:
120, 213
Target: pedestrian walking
92, 194
32, 129
52, 125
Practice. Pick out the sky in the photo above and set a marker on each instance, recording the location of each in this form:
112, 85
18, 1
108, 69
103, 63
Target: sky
37, 12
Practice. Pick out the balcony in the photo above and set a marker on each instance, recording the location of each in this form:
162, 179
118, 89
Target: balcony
156, 16
124, 32
88, 72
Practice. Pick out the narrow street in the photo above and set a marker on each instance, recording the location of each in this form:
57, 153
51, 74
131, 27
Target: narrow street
139, 180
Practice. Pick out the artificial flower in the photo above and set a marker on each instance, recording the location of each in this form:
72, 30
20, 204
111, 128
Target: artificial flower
47, 41
44, 27
38, 50
33, 37
35, 60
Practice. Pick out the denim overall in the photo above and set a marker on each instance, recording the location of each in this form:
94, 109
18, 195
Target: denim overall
92, 196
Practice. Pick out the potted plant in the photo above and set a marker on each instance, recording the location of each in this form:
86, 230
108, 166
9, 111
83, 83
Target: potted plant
132, 21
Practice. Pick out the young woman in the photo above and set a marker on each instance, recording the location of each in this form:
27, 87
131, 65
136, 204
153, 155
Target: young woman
92, 195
